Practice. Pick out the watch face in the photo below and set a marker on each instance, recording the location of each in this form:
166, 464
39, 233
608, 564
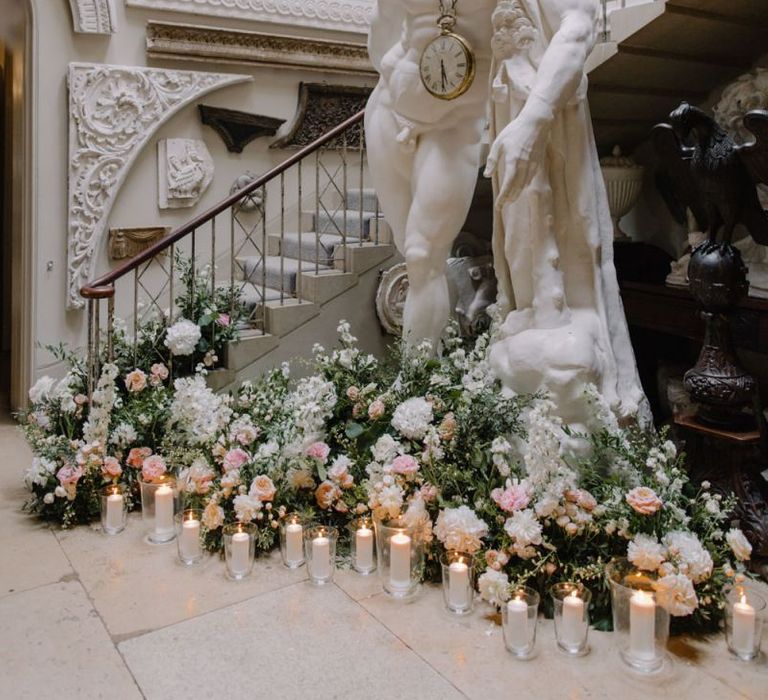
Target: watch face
447, 67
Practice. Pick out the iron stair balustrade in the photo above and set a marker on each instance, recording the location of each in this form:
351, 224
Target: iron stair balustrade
145, 287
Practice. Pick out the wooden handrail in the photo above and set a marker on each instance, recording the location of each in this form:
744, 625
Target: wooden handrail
104, 286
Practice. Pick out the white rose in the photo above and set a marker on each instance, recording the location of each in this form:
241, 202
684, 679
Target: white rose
676, 594
739, 544
48, 498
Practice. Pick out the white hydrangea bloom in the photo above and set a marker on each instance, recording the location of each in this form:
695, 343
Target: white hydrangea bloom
460, 529
386, 449
692, 559
645, 552
182, 337
412, 418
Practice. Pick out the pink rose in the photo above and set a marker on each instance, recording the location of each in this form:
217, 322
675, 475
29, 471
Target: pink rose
263, 488
158, 374
515, 497
223, 320
135, 381
428, 492
376, 409
137, 456
405, 464
111, 467
353, 393
234, 459
644, 500
81, 399
153, 468
69, 475
318, 451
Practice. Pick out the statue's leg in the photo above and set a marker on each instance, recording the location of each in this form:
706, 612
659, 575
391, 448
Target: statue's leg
517, 256
444, 177
390, 164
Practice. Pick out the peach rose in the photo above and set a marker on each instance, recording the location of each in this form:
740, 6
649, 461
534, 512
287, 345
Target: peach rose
583, 499
376, 409
69, 475
447, 428
644, 500
326, 494
137, 456
153, 468
135, 381
213, 516
158, 374
111, 468
263, 488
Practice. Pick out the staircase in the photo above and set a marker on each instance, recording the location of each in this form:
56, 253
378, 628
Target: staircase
660, 52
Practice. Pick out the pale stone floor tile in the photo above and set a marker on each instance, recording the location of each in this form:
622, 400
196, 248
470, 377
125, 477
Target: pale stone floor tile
299, 642
30, 545
53, 645
138, 587
356, 586
470, 653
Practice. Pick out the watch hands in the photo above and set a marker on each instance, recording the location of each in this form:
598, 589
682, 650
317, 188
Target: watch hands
443, 76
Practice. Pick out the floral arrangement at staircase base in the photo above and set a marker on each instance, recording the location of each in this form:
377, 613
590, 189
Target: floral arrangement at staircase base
433, 441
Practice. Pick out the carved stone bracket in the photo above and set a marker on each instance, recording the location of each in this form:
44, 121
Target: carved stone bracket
93, 16
238, 129
113, 112
125, 243
321, 107
189, 42
344, 15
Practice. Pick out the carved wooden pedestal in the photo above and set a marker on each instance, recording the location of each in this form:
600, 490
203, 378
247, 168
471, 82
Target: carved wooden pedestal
732, 462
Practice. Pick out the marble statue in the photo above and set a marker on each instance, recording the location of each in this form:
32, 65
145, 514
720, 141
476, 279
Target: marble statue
424, 153
561, 325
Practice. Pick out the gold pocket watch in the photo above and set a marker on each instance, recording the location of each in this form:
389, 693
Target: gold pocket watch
447, 65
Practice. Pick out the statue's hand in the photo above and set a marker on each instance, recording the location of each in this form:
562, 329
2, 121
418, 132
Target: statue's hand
519, 148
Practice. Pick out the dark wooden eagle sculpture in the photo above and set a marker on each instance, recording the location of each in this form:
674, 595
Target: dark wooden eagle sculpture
704, 170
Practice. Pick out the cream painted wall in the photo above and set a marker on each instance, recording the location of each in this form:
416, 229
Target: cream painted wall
273, 92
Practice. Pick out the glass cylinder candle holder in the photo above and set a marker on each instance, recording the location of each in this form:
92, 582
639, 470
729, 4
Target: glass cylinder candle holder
458, 581
188, 536
239, 549
114, 509
160, 501
292, 541
519, 617
320, 553
400, 555
571, 607
744, 618
363, 549
640, 625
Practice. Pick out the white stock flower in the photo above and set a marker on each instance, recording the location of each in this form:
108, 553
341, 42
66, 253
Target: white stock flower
412, 418
311, 403
739, 544
676, 594
197, 412
645, 552
493, 586
39, 472
182, 337
692, 559
460, 529
123, 435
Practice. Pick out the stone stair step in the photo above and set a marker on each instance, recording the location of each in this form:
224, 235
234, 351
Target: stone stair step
309, 246
334, 223
279, 273
370, 200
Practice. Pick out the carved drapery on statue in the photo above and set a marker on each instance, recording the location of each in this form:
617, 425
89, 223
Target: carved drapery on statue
563, 322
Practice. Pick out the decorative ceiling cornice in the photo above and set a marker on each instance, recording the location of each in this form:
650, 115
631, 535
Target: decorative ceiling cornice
93, 16
343, 15
192, 42
113, 112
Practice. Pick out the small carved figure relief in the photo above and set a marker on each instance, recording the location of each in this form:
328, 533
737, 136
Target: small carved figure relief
185, 170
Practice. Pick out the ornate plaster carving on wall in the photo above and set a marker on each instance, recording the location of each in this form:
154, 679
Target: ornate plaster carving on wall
321, 107
189, 42
124, 243
345, 15
93, 16
113, 112
185, 169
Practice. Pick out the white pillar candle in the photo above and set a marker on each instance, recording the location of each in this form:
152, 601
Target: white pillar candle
459, 594
573, 622
240, 553
190, 538
294, 538
744, 618
517, 624
400, 560
642, 625
321, 557
114, 511
364, 548
164, 509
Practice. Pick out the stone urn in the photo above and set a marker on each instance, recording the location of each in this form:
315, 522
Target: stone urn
623, 182
718, 383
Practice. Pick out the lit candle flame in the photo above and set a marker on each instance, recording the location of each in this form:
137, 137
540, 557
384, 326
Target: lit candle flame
743, 599
574, 593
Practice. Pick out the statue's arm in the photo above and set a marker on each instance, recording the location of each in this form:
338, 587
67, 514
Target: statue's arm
385, 30
520, 145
